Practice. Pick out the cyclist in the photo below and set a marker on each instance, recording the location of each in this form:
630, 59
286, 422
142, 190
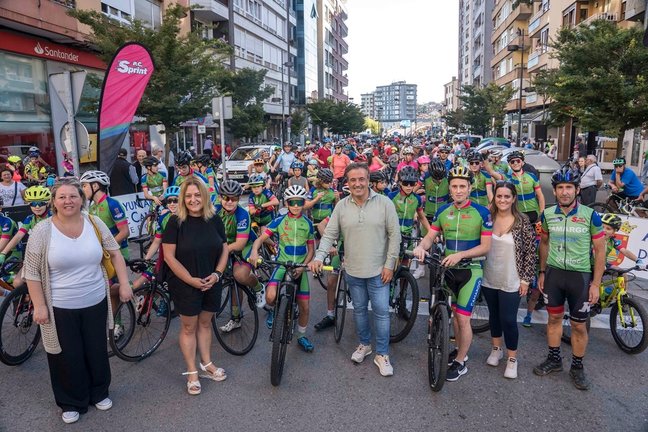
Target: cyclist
260, 168
335, 253
444, 152
378, 182
296, 244
482, 187
312, 170
261, 202
409, 206
466, 228
153, 182
624, 182
408, 159
531, 201
496, 163
283, 162
436, 188
569, 233
203, 167
35, 172
183, 167
339, 162
297, 179
8, 228
322, 198
614, 246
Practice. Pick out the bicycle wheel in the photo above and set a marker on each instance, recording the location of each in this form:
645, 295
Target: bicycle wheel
239, 337
280, 331
438, 336
566, 333
601, 207
145, 321
479, 317
146, 232
340, 307
19, 334
403, 305
628, 327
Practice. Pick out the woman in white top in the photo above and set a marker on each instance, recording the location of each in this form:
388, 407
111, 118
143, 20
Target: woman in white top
509, 266
69, 288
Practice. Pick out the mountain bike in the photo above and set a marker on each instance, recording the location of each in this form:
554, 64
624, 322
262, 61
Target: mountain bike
144, 320
403, 296
147, 226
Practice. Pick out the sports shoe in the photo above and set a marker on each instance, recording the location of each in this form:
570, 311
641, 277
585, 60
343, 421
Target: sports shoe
526, 322
260, 297
453, 355
118, 331
511, 368
578, 378
162, 308
548, 366
382, 361
419, 272
305, 344
326, 322
456, 370
104, 405
231, 325
70, 417
360, 353
269, 319
495, 356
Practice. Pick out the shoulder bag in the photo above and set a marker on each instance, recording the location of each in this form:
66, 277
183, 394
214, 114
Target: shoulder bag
106, 262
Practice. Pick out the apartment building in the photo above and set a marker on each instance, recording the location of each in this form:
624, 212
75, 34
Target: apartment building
368, 104
451, 92
332, 47
395, 102
475, 53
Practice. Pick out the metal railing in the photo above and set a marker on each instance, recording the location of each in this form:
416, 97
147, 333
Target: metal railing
600, 16
71, 4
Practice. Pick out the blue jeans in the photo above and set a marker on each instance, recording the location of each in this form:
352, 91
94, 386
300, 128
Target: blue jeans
362, 290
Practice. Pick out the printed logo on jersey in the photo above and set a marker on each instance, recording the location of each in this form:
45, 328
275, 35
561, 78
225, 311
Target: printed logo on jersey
118, 213
577, 219
242, 224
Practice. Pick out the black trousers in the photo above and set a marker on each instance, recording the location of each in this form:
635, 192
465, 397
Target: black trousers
502, 315
588, 195
80, 374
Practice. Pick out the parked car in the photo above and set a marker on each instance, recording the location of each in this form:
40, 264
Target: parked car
238, 162
474, 140
493, 141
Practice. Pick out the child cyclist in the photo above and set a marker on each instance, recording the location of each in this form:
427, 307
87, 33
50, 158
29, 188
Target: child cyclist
378, 182
322, 198
297, 179
202, 163
296, 244
312, 171
408, 205
261, 202
611, 224
153, 182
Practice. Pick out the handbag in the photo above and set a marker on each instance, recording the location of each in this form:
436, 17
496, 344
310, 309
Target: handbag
106, 262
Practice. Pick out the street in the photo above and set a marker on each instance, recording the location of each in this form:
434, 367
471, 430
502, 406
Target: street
325, 391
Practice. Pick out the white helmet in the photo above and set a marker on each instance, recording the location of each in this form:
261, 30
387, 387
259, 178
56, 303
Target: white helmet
408, 150
295, 191
95, 176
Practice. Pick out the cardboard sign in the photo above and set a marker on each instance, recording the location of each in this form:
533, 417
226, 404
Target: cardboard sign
135, 211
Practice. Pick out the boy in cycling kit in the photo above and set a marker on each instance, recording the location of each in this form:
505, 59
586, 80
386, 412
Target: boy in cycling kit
283, 162
408, 205
183, 167
467, 229
436, 188
570, 232
378, 182
203, 167
322, 198
481, 191
153, 182
297, 179
531, 201
261, 202
296, 244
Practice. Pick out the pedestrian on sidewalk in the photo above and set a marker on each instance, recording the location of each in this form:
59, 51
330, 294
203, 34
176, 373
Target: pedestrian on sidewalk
591, 181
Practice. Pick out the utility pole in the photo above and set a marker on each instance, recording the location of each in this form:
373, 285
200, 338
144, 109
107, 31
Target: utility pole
522, 47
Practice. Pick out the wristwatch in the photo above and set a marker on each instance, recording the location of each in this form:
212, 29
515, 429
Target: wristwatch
218, 274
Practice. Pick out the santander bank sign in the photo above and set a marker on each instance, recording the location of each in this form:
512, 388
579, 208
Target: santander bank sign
58, 54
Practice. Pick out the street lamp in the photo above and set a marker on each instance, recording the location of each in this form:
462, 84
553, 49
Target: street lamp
520, 48
289, 65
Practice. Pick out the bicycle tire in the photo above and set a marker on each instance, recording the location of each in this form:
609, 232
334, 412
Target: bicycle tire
341, 297
280, 329
146, 231
241, 340
601, 207
438, 346
479, 316
401, 315
618, 329
566, 333
19, 335
151, 316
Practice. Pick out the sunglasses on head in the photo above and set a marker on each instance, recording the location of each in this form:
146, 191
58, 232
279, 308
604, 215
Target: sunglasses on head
172, 200
229, 198
408, 183
296, 202
38, 204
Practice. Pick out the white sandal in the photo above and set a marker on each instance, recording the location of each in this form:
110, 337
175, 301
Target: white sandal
218, 375
193, 387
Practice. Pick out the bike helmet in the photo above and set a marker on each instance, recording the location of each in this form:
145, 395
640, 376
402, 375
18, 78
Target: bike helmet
202, 159
423, 160
445, 148
295, 191
377, 176
184, 158
619, 161
150, 161
325, 175
34, 154
566, 174
461, 172
408, 174
437, 169
346, 190
172, 191
361, 158
259, 161
313, 162
231, 188
256, 180
611, 219
14, 159
408, 150
515, 154
474, 156
34, 149
297, 165
95, 176
37, 193
496, 153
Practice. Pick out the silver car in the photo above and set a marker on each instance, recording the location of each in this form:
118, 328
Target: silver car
238, 162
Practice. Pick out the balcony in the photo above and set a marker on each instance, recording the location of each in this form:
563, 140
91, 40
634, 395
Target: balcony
612, 17
509, 77
537, 22
520, 13
70, 4
210, 10
537, 60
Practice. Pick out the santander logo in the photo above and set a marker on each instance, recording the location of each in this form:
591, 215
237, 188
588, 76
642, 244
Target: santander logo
55, 53
38, 49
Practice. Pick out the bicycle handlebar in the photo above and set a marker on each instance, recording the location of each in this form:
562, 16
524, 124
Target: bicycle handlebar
290, 264
139, 265
619, 271
431, 259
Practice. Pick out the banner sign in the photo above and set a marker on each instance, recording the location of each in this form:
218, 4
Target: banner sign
135, 211
633, 235
124, 84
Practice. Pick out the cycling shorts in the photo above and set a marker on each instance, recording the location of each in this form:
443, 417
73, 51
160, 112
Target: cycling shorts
465, 284
532, 215
303, 290
573, 286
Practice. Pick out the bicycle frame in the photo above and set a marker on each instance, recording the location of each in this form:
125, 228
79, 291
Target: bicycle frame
618, 291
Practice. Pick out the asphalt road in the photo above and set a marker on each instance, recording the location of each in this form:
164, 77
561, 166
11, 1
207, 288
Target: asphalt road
325, 391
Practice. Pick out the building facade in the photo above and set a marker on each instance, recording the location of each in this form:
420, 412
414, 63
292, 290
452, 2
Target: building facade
368, 105
451, 92
475, 53
395, 102
332, 47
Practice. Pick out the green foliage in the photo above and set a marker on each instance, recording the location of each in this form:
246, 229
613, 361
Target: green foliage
246, 86
188, 69
484, 107
373, 125
602, 80
455, 119
299, 121
337, 117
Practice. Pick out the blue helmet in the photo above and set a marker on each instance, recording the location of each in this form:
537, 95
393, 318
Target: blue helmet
297, 165
172, 191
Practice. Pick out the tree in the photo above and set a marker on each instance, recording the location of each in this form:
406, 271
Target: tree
248, 91
602, 79
455, 119
337, 117
373, 125
484, 107
496, 99
188, 68
299, 121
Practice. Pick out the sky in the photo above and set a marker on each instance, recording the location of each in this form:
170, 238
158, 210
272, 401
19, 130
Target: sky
402, 40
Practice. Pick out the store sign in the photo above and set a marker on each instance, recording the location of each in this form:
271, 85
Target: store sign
42, 48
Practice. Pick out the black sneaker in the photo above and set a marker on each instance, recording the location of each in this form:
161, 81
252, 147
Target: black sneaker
456, 370
326, 322
453, 355
548, 366
578, 378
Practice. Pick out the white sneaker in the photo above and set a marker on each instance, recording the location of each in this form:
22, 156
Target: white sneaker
382, 361
511, 368
70, 417
231, 325
419, 272
118, 331
104, 405
260, 297
495, 356
360, 353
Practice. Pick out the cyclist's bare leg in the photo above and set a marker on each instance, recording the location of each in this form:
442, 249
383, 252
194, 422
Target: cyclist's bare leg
188, 343
533, 300
114, 296
463, 334
304, 312
139, 282
271, 294
579, 338
244, 275
554, 329
18, 280
331, 284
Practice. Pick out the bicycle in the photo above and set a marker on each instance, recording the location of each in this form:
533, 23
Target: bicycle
628, 317
238, 304
403, 296
145, 319
621, 205
147, 227
286, 312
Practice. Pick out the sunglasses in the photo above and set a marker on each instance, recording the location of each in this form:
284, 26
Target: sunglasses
408, 183
296, 202
172, 200
475, 163
229, 198
515, 161
38, 204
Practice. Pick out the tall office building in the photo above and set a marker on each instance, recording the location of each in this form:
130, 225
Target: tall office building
475, 49
332, 47
395, 102
306, 64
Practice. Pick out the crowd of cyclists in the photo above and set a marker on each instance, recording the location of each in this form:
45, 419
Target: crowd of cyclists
442, 192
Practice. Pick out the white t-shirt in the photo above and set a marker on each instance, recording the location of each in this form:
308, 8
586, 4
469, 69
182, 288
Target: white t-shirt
7, 193
500, 271
591, 174
76, 278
